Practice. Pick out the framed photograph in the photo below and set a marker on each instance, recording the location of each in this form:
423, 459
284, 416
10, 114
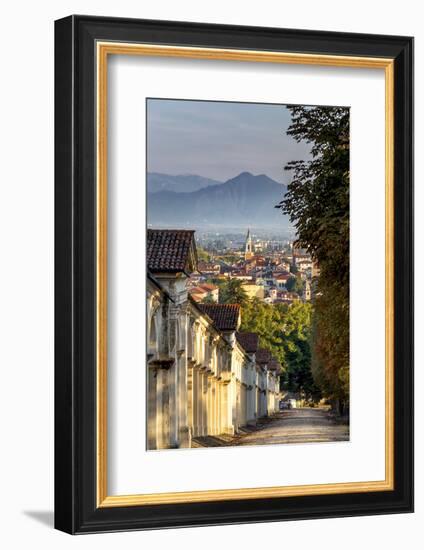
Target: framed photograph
234, 284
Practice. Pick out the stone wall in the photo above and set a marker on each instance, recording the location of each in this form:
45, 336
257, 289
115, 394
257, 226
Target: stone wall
200, 381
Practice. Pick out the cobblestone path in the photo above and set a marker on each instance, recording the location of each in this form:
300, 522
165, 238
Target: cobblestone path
296, 426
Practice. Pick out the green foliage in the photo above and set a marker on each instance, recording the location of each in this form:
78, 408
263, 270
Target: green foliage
295, 284
317, 199
202, 254
232, 292
285, 331
330, 336
208, 299
317, 202
266, 321
291, 282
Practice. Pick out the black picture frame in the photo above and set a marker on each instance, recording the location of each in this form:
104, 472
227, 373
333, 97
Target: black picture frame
76, 510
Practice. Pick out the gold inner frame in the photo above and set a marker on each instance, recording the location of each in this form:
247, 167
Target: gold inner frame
104, 49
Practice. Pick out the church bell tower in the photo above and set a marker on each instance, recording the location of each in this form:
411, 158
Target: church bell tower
248, 249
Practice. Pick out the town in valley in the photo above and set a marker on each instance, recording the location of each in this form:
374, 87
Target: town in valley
269, 268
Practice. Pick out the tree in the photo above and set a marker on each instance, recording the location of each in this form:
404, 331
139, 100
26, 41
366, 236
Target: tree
208, 299
317, 202
298, 376
293, 269
202, 254
296, 336
317, 199
232, 292
295, 284
330, 336
285, 331
266, 321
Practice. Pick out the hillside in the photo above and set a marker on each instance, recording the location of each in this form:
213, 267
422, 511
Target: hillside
184, 183
240, 201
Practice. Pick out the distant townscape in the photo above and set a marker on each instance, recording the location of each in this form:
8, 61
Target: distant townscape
271, 271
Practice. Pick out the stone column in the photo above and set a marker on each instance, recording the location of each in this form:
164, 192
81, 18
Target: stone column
190, 398
218, 407
173, 392
217, 411
199, 402
209, 407
214, 406
204, 403
224, 407
233, 398
151, 409
184, 438
238, 405
195, 401
163, 426
244, 404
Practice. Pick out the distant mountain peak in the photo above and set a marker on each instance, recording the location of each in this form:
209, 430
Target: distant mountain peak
242, 200
180, 183
252, 178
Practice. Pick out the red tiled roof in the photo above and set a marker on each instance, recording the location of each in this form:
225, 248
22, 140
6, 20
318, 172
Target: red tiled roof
208, 266
224, 316
263, 356
169, 250
283, 276
197, 290
248, 340
274, 365
208, 286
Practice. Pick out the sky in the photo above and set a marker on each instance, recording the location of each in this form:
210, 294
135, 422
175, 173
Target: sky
219, 140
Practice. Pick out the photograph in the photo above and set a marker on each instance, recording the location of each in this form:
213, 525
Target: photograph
247, 273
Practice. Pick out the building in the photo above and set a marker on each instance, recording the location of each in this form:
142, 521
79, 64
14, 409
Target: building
283, 266
304, 265
209, 269
254, 290
248, 248
263, 357
307, 294
203, 291
280, 279
203, 378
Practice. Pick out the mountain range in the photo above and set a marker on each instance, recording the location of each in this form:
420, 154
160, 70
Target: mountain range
184, 183
243, 201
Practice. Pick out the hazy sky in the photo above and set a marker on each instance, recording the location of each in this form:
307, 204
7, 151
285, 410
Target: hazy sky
219, 140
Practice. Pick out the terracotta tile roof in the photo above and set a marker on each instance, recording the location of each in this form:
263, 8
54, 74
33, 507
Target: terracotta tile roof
263, 356
208, 286
208, 266
274, 365
170, 250
283, 276
197, 290
197, 297
224, 316
249, 341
